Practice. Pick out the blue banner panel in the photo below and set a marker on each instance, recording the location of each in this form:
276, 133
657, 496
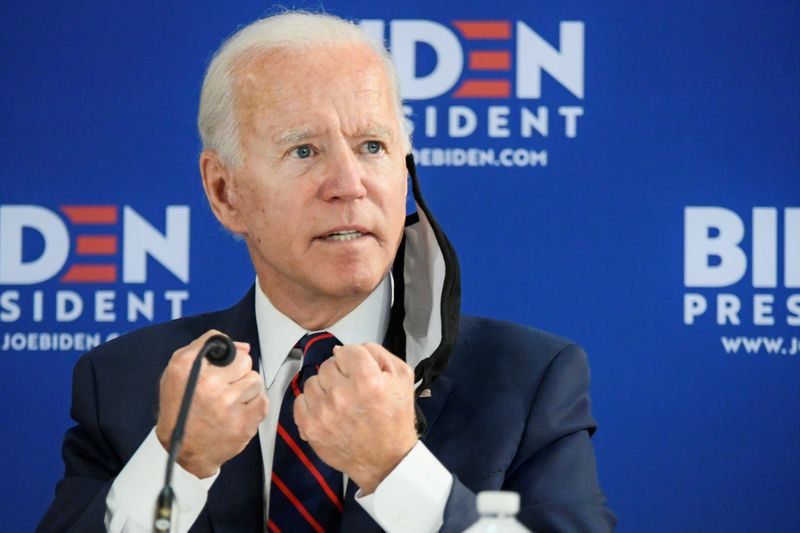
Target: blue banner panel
626, 175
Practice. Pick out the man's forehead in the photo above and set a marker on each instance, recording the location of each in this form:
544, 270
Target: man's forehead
276, 68
292, 118
292, 87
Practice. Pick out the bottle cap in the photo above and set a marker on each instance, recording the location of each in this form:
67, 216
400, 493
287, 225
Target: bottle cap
498, 502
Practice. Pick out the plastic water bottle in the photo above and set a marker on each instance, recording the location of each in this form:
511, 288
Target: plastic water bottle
497, 510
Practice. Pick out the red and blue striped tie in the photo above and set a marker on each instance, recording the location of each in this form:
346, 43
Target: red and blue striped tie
306, 494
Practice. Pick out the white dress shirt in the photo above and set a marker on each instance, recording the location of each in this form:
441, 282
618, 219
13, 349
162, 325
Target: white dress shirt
411, 498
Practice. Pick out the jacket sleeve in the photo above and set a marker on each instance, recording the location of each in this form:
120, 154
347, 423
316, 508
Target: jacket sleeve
554, 470
90, 464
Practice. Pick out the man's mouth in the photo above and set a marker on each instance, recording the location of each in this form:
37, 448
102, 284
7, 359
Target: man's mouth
344, 235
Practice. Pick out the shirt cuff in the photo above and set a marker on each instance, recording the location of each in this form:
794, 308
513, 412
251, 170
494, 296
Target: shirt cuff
413, 496
131, 501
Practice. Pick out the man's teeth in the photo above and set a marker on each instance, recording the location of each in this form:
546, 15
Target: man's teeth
344, 236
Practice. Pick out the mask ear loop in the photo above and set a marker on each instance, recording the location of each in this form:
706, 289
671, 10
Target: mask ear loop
430, 368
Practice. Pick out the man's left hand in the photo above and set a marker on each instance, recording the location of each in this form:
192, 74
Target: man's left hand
358, 412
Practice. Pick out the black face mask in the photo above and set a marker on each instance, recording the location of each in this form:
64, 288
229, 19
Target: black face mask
419, 307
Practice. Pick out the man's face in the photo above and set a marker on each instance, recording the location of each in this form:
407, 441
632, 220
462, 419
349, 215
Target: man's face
320, 195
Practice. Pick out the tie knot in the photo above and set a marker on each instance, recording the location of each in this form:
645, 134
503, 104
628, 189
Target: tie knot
316, 347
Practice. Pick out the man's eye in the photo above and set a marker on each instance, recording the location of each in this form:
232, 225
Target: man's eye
303, 152
373, 147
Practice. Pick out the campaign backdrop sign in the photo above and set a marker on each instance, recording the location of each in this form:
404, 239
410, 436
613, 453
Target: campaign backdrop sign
624, 174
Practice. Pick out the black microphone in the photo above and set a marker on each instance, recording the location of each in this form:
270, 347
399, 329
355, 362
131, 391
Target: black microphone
220, 351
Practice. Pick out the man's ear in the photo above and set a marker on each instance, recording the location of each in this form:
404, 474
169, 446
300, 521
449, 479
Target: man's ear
219, 187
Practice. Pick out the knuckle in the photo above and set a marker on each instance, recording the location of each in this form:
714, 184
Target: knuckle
327, 418
247, 361
312, 384
326, 367
229, 399
211, 380
253, 378
372, 384
405, 370
338, 399
362, 371
365, 352
243, 362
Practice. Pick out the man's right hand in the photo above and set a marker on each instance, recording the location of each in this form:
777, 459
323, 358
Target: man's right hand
229, 403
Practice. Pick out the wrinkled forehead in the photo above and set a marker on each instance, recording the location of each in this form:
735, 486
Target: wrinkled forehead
291, 79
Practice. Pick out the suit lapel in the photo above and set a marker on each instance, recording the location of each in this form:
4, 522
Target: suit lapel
431, 406
236, 500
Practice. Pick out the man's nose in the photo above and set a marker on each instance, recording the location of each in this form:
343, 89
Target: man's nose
344, 176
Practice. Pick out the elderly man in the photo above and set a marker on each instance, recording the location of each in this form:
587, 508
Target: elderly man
391, 411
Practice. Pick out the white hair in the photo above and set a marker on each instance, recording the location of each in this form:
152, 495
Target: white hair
216, 118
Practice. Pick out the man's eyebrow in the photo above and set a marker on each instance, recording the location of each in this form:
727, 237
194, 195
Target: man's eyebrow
292, 137
379, 133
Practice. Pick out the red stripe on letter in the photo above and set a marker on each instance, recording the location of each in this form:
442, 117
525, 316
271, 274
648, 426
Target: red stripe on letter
484, 29
91, 214
96, 245
90, 274
484, 89
490, 60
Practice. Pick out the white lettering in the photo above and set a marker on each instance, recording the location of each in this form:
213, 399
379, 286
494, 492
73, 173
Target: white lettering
38, 306
699, 246
498, 121
63, 313
791, 247
728, 306
793, 306
430, 121
13, 220
455, 127
405, 35
694, 305
143, 306
18, 341
176, 298
104, 306
170, 249
534, 55
531, 121
570, 114
765, 247
762, 310
9, 303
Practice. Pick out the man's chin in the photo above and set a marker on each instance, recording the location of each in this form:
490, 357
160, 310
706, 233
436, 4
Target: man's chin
351, 288
351, 282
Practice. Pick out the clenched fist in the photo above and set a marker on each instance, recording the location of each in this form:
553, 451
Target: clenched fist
229, 403
358, 412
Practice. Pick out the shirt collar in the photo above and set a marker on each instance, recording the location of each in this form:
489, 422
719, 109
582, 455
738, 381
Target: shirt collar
277, 333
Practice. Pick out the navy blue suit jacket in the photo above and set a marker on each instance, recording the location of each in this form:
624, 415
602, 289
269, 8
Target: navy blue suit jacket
511, 411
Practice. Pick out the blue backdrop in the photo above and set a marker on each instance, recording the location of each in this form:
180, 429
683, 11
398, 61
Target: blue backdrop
626, 174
